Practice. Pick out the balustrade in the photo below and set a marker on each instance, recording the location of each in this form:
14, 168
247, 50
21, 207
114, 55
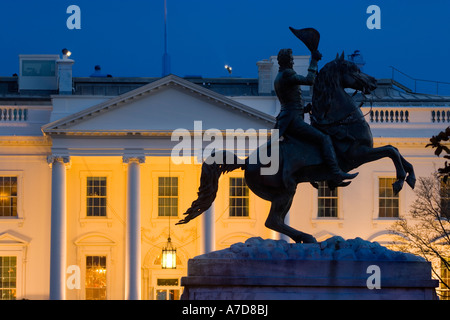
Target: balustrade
13, 114
394, 116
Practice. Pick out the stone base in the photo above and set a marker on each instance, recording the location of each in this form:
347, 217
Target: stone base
332, 270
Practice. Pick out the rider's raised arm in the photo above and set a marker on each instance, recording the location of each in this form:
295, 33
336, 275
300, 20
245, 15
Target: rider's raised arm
312, 72
310, 77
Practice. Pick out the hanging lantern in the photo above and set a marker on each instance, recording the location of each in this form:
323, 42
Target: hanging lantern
169, 256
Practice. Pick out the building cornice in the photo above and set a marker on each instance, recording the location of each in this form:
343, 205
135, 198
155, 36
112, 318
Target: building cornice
25, 141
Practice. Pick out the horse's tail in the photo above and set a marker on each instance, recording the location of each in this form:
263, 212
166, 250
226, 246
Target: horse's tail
209, 182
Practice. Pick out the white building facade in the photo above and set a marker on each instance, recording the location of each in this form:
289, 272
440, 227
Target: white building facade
89, 194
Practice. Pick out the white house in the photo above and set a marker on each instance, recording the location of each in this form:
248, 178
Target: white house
88, 188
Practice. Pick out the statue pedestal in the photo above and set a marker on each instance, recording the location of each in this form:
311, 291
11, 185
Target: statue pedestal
334, 269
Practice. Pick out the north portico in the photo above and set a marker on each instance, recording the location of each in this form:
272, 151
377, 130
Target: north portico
133, 129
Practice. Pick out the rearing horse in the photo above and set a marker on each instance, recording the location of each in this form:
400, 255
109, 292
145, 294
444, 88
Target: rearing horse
335, 113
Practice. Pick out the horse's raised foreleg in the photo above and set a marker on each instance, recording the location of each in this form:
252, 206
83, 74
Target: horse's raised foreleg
365, 154
275, 221
411, 178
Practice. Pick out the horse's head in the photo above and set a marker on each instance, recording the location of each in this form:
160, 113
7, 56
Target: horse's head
352, 77
330, 101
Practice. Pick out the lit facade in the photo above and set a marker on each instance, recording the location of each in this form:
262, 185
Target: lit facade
88, 188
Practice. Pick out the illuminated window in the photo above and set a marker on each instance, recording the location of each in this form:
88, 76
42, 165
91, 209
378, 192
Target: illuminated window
239, 198
96, 197
167, 289
95, 278
168, 196
8, 273
327, 201
387, 202
445, 279
8, 196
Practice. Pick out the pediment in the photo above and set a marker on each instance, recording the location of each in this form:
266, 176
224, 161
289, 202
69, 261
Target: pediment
384, 237
323, 235
162, 106
8, 238
94, 239
235, 238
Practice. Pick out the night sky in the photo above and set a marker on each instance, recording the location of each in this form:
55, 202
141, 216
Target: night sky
126, 37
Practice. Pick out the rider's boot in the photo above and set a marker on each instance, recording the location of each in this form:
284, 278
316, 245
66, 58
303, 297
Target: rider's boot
338, 175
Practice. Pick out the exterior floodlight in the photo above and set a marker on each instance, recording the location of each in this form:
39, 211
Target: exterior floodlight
66, 53
228, 68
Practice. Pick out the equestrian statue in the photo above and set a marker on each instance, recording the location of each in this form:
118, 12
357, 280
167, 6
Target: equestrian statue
337, 141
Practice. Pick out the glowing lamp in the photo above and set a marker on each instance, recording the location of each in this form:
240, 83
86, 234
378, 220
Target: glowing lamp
66, 53
169, 256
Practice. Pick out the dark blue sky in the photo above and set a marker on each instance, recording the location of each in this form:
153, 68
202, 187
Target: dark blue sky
126, 37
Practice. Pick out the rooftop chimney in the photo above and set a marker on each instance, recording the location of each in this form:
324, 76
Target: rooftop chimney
268, 70
65, 64
265, 84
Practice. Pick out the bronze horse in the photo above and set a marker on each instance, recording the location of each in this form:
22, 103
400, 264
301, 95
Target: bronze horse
334, 112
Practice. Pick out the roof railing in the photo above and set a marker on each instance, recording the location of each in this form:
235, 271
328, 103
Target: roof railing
434, 87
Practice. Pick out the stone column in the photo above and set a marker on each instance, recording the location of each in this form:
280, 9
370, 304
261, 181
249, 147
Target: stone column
209, 234
133, 228
58, 233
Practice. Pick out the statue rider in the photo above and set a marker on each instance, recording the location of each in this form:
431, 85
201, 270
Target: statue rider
290, 120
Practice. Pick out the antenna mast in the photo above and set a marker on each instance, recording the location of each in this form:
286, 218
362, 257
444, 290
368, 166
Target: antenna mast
166, 57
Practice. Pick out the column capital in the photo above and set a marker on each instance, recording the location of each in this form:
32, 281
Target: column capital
58, 158
129, 158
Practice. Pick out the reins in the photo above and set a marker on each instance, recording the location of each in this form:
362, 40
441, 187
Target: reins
344, 120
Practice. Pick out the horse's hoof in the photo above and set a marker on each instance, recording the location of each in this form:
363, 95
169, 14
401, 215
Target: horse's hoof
333, 185
411, 181
397, 186
306, 238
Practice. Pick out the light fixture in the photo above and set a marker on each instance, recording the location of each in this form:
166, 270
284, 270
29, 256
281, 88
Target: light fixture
228, 68
169, 252
169, 256
66, 53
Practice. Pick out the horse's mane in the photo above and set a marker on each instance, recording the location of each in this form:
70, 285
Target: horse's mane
327, 81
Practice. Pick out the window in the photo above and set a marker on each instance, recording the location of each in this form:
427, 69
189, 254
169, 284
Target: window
387, 202
239, 196
167, 289
95, 278
445, 277
38, 68
8, 274
96, 197
8, 196
168, 196
327, 201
